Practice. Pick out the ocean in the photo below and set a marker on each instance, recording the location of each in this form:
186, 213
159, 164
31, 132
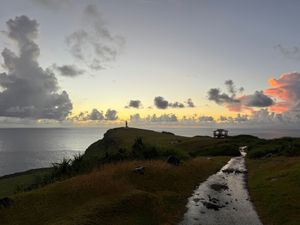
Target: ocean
22, 149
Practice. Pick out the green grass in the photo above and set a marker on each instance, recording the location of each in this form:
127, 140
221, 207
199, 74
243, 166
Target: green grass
11, 184
280, 147
114, 194
274, 186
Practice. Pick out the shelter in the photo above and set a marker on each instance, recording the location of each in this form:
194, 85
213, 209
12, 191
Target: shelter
220, 133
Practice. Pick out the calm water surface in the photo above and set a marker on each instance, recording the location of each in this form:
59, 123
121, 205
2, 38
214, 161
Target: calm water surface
27, 148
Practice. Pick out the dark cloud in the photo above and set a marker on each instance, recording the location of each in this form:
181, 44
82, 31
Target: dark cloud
176, 105
161, 103
190, 103
96, 115
94, 45
68, 70
239, 103
111, 114
230, 87
134, 104
214, 94
28, 91
258, 99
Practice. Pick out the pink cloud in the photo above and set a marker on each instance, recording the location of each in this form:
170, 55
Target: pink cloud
286, 89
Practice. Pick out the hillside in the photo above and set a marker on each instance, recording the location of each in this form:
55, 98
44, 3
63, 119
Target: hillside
115, 195
122, 144
92, 188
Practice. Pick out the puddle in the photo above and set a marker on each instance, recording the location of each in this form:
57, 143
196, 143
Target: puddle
222, 199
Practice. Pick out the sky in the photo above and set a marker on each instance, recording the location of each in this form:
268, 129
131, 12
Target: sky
151, 62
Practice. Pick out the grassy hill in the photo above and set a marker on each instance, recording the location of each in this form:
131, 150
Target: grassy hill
114, 194
121, 144
94, 187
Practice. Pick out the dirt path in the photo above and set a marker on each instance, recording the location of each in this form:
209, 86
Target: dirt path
222, 199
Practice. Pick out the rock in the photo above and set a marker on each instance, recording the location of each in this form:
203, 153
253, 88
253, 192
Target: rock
140, 170
5, 202
173, 160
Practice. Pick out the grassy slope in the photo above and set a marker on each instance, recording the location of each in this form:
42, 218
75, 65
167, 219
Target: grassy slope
274, 186
11, 183
124, 138
158, 197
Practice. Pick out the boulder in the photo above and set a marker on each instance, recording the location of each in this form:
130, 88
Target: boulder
173, 160
139, 170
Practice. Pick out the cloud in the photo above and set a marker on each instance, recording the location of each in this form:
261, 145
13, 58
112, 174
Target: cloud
287, 90
68, 70
111, 114
238, 119
214, 94
206, 119
176, 105
94, 45
290, 53
161, 103
134, 104
164, 118
239, 103
230, 87
28, 91
258, 99
96, 115
136, 118
190, 103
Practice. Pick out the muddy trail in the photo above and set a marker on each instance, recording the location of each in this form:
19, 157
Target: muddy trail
222, 199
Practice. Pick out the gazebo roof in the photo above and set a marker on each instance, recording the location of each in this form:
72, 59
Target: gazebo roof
221, 130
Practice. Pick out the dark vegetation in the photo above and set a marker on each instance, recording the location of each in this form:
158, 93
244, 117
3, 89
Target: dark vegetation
281, 147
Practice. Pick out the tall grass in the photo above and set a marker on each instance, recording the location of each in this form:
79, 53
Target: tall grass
114, 194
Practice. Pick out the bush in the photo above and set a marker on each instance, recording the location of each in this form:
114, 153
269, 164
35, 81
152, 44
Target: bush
281, 146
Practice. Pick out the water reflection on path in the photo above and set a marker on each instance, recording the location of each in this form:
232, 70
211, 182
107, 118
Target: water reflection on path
222, 199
